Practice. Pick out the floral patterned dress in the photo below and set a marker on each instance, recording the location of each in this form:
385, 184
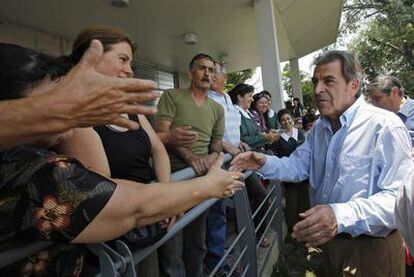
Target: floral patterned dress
45, 196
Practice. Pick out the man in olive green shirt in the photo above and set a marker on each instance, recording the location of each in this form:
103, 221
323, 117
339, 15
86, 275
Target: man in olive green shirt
193, 110
191, 125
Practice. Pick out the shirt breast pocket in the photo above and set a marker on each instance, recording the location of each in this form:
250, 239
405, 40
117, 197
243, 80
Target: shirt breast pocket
354, 175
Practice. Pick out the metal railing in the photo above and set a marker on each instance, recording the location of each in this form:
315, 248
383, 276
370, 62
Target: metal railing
121, 259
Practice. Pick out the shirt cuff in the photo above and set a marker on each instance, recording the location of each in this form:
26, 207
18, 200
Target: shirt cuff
344, 215
269, 167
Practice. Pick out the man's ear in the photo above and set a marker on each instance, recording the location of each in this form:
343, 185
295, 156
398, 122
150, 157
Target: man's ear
189, 75
395, 91
355, 86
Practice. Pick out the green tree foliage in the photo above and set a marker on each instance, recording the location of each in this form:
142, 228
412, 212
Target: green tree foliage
384, 38
305, 82
238, 77
308, 95
286, 80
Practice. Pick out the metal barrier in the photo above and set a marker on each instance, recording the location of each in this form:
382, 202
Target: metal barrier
122, 259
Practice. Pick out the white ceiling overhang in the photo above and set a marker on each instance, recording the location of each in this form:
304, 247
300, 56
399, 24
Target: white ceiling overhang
222, 26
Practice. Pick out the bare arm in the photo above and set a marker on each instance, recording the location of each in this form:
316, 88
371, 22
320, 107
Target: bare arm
216, 146
162, 164
86, 146
26, 120
162, 127
130, 205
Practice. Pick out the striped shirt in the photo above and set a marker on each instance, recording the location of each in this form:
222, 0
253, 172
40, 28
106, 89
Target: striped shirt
231, 116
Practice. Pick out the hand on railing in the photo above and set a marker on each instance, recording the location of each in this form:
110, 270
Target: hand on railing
168, 223
244, 147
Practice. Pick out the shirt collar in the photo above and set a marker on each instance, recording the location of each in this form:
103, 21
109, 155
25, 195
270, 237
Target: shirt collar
212, 92
295, 135
243, 112
348, 115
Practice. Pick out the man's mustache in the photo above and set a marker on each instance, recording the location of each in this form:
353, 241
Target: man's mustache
322, 97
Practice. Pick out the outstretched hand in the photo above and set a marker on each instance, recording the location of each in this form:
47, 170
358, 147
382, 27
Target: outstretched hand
223, 183
248, 161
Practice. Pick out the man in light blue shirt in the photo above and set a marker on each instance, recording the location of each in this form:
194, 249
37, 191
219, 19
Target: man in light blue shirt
407, 109
356, 158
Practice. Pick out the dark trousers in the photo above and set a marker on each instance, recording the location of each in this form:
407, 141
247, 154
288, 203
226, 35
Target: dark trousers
365, 256
170, 257
255, 190
148, 267
216, 233
194, 246
194, 236
297, 201
257, 193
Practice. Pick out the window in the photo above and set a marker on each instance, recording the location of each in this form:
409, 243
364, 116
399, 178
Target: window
165, 78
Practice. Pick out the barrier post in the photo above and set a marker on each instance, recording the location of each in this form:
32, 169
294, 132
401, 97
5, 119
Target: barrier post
244, 222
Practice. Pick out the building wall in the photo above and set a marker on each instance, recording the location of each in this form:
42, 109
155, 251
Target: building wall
57, 45
35, 39
183, 81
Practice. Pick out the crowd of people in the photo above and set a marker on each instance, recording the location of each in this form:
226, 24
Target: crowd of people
78, 154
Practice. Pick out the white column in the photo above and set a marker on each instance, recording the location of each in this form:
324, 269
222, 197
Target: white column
295, 79
269, 51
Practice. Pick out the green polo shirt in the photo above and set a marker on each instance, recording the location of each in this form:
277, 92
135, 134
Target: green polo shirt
207, 119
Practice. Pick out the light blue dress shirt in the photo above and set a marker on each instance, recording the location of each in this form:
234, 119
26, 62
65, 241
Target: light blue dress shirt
357, 170
408, 110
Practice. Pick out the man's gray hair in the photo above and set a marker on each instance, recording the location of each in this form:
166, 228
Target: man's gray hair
384, 84
351, 68
222, 67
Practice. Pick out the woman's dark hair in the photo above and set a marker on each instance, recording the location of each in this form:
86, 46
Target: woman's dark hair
288, 104
256, 98
240, 89
281, 113
308, 118
21, 68
107, 35
264, 93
